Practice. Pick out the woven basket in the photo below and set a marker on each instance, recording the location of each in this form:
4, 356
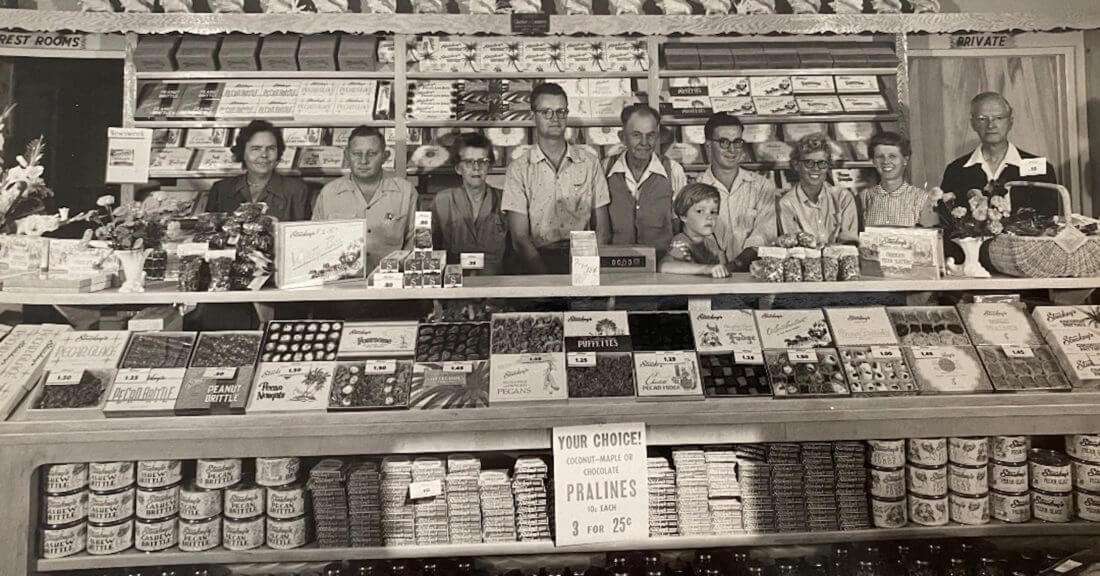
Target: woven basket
1045, 256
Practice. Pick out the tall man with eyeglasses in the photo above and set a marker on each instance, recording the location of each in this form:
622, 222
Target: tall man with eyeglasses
553, 189
642, 183
387, 202
468, 218
746, 216
996, 159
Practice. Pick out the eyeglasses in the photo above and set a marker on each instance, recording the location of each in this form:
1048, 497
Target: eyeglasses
551, 113
477, 164
818, 164
365, 156
990, 119
735, 145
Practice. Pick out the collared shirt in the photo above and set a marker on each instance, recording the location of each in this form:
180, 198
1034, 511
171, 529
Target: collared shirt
458, 229
746, 218
556, 203
287, 198
389, 214
833, 218
1012, 158
675, 173
902, 207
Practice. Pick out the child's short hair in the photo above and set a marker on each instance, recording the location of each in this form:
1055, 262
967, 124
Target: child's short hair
693, 194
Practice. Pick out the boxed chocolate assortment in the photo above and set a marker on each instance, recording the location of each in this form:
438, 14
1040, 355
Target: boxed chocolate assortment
908, 253
219, 377
947, 369
314, 253
150, 374
781, 329
381, 374
928, 326
528, 358
665, 361
23, 355
296, 366
808, 372
861, 326
80, 368
731, 362
598, 355
452, 366
1073, 334
999, 324
877, 371
1022, 369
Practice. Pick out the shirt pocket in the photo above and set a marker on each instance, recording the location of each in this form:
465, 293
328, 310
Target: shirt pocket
393, 229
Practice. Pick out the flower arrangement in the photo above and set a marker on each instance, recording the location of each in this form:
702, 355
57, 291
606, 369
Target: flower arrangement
127, 227
980, 214
22, 190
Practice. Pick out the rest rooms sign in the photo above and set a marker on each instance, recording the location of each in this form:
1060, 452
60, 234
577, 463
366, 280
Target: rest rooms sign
601, 490
41, 40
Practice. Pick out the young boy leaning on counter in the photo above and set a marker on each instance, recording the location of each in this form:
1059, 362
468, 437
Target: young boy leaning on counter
696, 250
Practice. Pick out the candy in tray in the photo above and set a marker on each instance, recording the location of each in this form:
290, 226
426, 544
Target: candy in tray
598, 359
527, 333
928, 326
301, 340
371, 384
803, 373
452, 341
724, 375
158, 350
1034, 368
875, 371
661, 331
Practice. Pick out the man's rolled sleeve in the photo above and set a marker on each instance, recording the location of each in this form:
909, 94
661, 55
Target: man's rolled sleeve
514, 198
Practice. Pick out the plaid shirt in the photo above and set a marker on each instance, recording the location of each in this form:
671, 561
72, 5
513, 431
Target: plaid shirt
902, 207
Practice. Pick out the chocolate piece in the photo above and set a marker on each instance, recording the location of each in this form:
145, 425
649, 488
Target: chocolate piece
527, 333
821, 378
723, 376
452, 342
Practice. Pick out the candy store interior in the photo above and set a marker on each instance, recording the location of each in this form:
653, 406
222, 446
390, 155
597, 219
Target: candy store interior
330, 287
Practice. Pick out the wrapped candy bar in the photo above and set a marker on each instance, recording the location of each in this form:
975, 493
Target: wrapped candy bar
221, 269
830, 263
792, 265
756, 7
812, 266
769, 265
848, 268
226, 6
675, 7
805, 6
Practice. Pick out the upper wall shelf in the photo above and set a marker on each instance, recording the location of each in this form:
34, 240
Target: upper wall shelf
1051, 18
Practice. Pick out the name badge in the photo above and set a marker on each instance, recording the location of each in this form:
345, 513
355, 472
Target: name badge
1033, 167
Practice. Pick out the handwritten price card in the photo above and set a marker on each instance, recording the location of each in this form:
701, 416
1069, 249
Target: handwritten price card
600, 484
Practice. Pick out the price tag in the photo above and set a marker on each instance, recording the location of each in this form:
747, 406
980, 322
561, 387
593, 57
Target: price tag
472, 260
292, 370
748, 357
132, 375
1018, 352
927, 352
192, 249
1033, 166
64, 377
422, 219
388, 280
461, 367
146, 325
380, 367
580, 359
425, 489
885, 352
221, 373
802, 355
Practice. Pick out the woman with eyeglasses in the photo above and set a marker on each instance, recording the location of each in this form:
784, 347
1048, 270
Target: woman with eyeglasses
468, 218
259, 147
813, 205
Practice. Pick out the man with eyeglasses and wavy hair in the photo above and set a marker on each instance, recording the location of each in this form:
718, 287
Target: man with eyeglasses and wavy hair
746, 217
387, 202
553, 189
996, 159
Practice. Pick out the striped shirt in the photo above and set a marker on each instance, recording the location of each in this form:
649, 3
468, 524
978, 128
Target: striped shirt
902, 207
746, 216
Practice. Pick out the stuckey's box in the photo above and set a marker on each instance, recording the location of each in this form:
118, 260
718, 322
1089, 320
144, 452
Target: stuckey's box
23, 253
156, 53
598, 360
725, 330
528, 358
197, 53
313, 253
78, 372
318, 52
1000, 324
240, 52
861, 326
358, 52
23, 353
219, 376
291, 387
909, 253
279, 52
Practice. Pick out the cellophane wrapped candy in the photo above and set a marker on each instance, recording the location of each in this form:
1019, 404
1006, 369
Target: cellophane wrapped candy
849, 264
792, 265
194, 274
221, 271
830, 264
812, 266
768, 267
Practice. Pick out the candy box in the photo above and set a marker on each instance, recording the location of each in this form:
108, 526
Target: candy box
158, 350
219, 376
1020, 369
1083, 370
291, 387
528, 360
598, 356
660, 331
453, 341
734, 374
670, 374
877, 371
279, 52
908, 253
928, 326
793, 329
79, 370
1055, 317
197, 53
947, 369
239, 52
450, 385
301, 340
23, 353
144, 392
371, 384
725, 330
798, 373
861, 326
378, 340
1000, 324
313, 253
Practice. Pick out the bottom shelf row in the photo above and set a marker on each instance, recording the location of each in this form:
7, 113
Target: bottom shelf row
107, 514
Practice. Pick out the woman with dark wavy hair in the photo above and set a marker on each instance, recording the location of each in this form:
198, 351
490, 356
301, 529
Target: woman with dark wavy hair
259, 147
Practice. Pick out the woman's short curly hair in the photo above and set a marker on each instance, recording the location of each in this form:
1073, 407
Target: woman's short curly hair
255, 127
809, 144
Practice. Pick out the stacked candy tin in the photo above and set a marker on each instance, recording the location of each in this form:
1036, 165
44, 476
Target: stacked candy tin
64, 514
1009, 486
1051, 485
968, 480
110, 507
927, 475
156, 504
888, 503
1084, 449
287, 522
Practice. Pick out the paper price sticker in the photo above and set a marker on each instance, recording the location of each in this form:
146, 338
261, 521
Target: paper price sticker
425, 489
462, 367
380, 367
292, 370
423, 219
221, 373
1018, 352
132, 376
580, 359
748, 357
64, 377
802, 356
885, 352
922, 353
472, 260
146, 325
1033, 167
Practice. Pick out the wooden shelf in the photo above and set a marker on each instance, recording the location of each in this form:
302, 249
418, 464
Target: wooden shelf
799, 119
781, 165
261, 74
555, 286
573, 122
523, 75
314, 554
876, 71
284, 123
325, 172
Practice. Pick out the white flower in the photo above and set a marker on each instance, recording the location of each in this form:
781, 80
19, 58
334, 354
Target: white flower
995, 215
948, 196
936, 194
959, 212
996, 227
105, 200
